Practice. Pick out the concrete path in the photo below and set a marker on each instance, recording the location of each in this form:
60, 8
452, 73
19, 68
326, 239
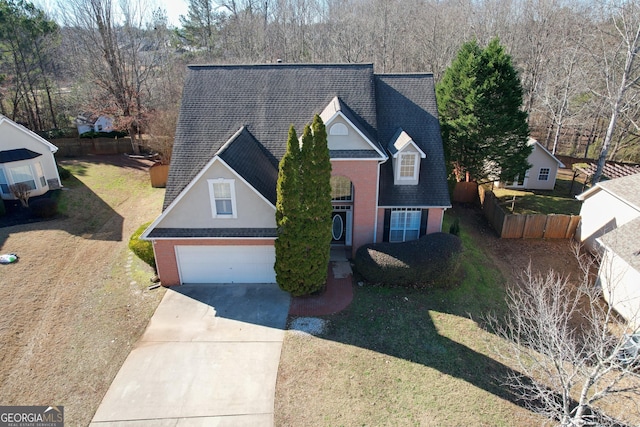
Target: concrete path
209, 357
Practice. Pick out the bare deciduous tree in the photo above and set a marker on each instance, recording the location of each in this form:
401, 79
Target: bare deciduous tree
566, 344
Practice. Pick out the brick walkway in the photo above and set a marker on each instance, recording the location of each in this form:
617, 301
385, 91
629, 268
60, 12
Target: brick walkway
336, 297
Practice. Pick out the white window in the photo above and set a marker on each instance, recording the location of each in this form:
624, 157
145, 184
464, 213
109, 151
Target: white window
223, 198
404, 225
4, 185
40, 174
408, 166
23, 175
339, 129
544, 174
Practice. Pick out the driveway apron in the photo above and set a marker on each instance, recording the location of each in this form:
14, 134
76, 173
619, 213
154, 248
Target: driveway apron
209, 357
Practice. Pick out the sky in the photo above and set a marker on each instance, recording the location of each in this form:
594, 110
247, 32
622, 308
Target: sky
174, 8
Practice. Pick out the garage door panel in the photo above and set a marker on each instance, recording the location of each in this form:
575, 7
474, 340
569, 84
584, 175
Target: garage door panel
226, 264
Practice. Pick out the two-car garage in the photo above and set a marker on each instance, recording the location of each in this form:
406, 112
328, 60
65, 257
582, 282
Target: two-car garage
226, 264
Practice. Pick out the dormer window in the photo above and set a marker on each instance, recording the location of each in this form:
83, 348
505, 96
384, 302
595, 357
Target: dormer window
408, 166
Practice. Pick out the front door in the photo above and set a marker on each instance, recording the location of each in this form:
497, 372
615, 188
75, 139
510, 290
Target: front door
339, 227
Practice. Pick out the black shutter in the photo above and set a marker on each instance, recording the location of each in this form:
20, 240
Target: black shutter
387, 224
423, 221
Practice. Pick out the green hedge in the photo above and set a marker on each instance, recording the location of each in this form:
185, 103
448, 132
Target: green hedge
429, 262
142, 248
44, 208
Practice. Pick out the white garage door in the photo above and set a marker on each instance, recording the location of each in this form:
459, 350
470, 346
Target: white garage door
226, 264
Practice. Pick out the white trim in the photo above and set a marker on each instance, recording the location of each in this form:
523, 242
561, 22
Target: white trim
404, 228
346, 159
188, 188
335, 113
210, 238
212, 198
407, 140
229, 141
40, 139
416, 167
414, 207
535, 142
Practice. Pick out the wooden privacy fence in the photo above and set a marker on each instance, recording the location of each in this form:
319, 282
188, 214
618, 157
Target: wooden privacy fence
74, 147
535, 226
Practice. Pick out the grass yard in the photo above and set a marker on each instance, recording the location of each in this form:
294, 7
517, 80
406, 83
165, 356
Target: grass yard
77, 301
398, 356
559, 201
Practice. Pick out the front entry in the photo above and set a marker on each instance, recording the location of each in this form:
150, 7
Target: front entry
341, 223
338, 227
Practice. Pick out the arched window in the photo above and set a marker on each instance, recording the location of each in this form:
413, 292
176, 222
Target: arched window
341, 189
339, 129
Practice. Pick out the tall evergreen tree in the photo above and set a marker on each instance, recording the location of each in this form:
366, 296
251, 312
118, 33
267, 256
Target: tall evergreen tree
303, 212
317, 177
288, 245
484, 129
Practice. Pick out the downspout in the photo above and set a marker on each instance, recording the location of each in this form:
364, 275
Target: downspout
375, 229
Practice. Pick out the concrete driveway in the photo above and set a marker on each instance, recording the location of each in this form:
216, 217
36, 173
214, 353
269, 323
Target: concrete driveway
209, 357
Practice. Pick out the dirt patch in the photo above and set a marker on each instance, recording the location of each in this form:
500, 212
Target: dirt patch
77, 300
513, 256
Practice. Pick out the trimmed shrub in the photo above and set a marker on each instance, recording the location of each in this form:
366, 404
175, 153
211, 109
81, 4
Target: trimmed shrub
142, 248
429, 262
3, 210
64, 173
44, 208
454, 228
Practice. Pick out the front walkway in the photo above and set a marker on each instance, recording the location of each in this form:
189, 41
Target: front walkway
337, 295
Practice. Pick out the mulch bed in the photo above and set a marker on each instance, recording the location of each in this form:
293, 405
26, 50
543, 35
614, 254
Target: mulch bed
16, 214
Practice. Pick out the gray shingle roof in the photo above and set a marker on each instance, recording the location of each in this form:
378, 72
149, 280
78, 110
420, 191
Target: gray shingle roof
408, 101
15, 155
626, 188
266, 99
624, 241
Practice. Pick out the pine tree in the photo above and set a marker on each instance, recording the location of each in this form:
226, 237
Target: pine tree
484, 130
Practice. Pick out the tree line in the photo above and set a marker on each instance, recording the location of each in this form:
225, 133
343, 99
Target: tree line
576, 59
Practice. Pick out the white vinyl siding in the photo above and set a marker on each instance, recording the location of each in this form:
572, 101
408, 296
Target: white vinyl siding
404, 225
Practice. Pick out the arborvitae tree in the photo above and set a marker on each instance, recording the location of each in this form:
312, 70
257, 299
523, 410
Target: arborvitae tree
288, 245
303, 212
317, 177
485, 132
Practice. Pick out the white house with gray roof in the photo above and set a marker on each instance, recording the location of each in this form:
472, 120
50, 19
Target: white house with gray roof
388, 173
610, 227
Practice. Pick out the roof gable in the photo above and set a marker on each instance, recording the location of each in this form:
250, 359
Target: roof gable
400, 141
543, 149
626, 189
5, 121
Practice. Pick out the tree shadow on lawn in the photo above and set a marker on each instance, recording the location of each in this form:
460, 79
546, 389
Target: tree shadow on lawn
404, 326
87, 215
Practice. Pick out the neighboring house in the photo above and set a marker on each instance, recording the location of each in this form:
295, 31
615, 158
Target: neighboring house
543, 172
610, 227
607, 206
27, 158
89, 122
619, 273
388, 171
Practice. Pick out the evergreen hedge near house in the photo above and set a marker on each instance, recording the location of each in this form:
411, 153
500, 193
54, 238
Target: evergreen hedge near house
303, 212
429, 262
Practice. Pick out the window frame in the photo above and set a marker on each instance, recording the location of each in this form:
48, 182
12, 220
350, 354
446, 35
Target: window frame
213, 199
416, 164
17, 179
343, 179
403, 228
542, 174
